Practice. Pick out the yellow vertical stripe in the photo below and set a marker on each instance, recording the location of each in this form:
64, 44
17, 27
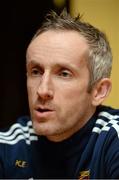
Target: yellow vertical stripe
104, 14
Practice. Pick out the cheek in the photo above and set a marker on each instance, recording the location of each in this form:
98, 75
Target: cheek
73, 94
31, 88
74, 108
73, 99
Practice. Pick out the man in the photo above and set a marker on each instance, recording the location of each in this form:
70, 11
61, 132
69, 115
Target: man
73, 136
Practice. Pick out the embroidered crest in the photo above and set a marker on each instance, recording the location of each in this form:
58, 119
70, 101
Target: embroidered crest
84, 175
21, 164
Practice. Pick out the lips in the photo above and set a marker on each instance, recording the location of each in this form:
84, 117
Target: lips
43, 110
42, 113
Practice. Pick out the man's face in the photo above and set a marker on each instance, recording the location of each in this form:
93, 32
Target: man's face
57, 82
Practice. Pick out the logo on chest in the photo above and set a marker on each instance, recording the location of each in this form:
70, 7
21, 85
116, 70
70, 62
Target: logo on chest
84, 175
21, 164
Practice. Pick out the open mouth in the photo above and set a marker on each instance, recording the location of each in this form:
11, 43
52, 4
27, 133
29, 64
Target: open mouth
43, 110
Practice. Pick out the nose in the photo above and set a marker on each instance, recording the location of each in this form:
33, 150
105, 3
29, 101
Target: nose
45, 91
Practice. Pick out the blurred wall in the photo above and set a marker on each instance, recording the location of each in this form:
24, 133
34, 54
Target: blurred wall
104, 14
19, 20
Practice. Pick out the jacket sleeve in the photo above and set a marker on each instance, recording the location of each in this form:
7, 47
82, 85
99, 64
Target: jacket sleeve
2, 152
112, 155
1, 171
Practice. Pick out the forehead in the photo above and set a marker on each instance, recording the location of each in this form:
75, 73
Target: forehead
57, 45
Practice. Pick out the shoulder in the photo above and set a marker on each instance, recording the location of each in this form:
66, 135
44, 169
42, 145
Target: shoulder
22, 130
107, 119
105, 136
107, 130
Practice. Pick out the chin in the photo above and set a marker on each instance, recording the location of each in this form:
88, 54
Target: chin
42, 129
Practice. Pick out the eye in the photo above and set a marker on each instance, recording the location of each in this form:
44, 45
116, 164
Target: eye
36, 71
65, 74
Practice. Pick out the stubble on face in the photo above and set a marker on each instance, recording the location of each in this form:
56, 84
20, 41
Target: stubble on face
71, 101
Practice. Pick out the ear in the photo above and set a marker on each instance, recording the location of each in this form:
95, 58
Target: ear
100, 91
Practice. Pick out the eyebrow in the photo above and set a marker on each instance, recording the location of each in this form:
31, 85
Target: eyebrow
33, 62
56, 65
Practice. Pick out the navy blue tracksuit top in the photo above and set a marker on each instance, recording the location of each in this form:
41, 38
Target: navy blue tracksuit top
91, 153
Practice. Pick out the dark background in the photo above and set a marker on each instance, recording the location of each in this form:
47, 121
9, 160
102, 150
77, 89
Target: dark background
19, 20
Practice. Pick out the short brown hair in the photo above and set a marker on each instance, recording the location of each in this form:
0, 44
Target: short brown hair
99, 56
